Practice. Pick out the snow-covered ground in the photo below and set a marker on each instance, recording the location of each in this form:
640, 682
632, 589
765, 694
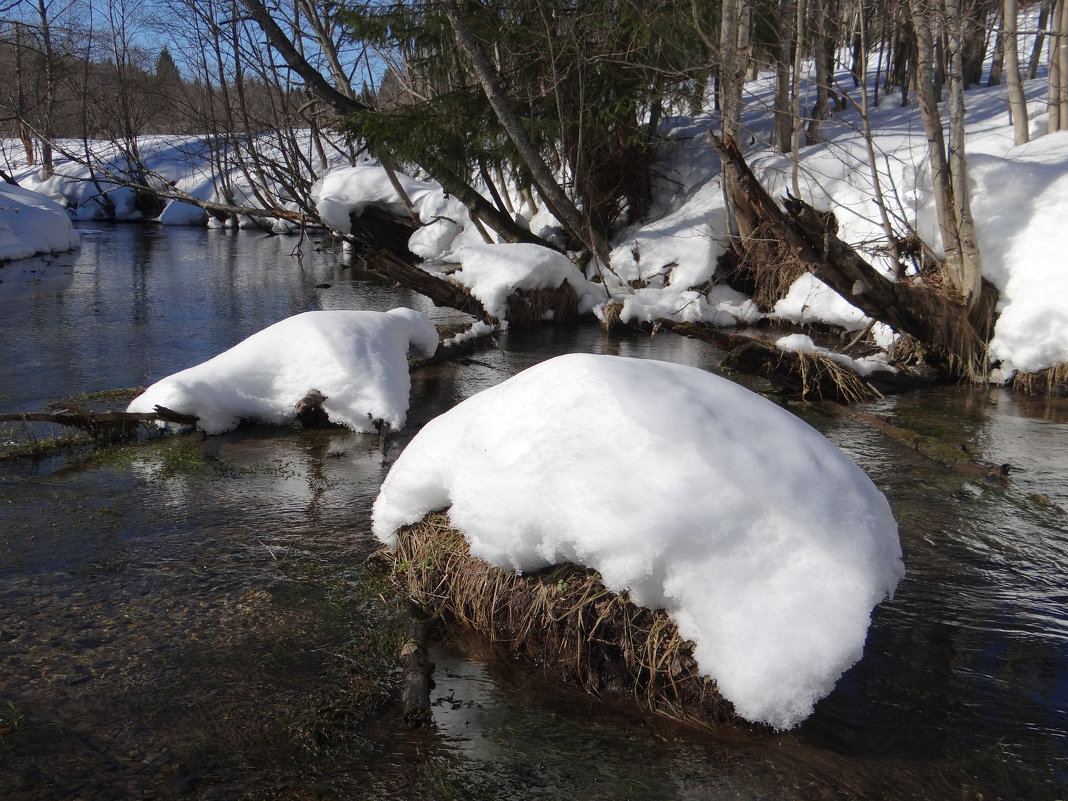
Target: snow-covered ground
765, 544
30, 224
357, 359
662, 268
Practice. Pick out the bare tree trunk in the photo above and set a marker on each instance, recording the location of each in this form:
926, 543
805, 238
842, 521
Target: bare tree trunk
823, 56
784, 121
1060, 27
1017, 99
880, 200
971, 262
554, 194
51, 88
1054, 99
795, 94
942, 163
997, 63
1040, 36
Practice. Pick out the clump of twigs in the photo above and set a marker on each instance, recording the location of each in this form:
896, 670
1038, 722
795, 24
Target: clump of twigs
562, 619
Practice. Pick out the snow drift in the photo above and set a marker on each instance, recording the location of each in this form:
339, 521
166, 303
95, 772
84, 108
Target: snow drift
763, 542
358, 359
31, 223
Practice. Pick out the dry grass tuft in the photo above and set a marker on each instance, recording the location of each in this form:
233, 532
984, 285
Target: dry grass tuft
822, 378
611, 318
1051, 381
562, 619
530, 307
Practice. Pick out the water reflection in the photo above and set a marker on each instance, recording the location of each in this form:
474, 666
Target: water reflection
141, 595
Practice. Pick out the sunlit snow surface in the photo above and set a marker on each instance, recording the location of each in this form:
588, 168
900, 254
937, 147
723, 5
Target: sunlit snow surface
767, 546
31, 223
358, 359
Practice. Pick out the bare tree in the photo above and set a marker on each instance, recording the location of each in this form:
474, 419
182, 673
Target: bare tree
1017, 100
1058, 67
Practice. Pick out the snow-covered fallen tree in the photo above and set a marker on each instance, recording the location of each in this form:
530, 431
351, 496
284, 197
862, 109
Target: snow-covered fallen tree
766, 546
356, 359
30, 224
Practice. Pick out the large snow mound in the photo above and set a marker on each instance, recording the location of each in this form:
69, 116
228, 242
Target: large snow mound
767, 546
31, 223
358, 359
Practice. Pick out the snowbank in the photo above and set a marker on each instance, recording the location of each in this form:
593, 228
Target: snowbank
30, 223
764, 543
358, 359
1020, 205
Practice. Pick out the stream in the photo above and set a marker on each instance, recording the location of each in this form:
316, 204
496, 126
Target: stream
192, 617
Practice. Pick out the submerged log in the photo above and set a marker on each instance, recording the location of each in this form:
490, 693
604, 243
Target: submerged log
954, 338
416, 677
561, 620
954, 456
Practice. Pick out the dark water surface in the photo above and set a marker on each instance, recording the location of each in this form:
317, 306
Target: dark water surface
191, 618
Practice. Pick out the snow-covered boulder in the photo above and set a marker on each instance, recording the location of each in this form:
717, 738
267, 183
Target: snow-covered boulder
31, 223
765, 544
358, 359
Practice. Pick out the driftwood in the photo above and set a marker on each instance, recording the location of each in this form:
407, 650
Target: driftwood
953, 338
416, 681
101, 424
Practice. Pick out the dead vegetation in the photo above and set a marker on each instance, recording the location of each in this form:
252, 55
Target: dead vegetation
1052, 381
562, 620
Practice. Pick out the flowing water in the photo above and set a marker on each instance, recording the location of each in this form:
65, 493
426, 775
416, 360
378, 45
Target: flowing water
192, 618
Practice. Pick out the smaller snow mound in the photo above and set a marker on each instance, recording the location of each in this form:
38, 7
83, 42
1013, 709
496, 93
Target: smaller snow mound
763, 542
31, 223
358, 359
492, 272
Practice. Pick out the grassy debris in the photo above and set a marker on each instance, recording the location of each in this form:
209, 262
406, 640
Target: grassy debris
562, 620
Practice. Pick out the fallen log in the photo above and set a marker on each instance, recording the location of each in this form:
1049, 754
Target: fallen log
101, 425
955, 340
389, 266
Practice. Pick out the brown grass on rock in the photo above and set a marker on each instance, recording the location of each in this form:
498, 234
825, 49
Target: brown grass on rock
562, 620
